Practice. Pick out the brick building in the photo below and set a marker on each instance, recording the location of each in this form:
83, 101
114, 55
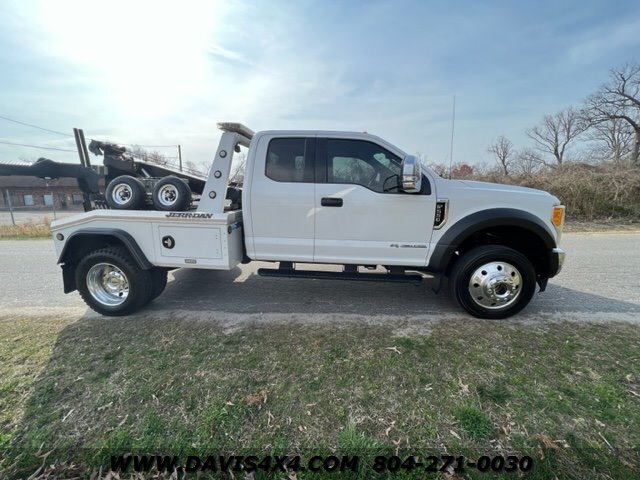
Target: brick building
32, 193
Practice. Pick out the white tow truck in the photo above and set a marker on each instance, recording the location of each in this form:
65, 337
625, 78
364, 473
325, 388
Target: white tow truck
323, 197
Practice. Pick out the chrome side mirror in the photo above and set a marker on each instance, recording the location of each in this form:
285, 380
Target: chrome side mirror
411, 175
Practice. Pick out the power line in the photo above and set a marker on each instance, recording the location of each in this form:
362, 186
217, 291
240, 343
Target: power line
35, 126
37, 146
69, 135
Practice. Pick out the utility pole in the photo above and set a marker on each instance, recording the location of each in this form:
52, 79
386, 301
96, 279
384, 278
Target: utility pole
453, 124
53, 198
13, 220
180, 156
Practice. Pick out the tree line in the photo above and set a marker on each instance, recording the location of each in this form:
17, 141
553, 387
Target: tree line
608, 122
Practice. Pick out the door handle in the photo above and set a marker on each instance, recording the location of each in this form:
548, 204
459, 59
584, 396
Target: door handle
331, 202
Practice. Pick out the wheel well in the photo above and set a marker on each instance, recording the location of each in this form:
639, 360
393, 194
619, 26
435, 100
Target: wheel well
80, 244
518, 238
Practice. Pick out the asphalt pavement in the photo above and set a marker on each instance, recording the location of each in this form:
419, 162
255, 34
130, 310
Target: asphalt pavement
600, 282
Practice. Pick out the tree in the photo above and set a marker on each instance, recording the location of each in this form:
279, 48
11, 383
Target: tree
422, 158
440, 169
613, 140
556, 132
462, 170
619, 99
238, 169
191, 166
502, 150
527, 161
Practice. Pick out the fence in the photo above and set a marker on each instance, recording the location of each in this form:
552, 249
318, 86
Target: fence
18, 207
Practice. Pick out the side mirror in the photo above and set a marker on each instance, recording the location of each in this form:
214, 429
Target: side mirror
411, 175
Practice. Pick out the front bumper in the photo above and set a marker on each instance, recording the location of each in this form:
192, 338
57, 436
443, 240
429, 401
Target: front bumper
556, 261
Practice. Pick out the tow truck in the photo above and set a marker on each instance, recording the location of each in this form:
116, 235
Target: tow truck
322, 197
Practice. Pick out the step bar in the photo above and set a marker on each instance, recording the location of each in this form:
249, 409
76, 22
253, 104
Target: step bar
350, 274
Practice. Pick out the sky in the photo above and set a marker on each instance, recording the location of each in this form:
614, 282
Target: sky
164, 73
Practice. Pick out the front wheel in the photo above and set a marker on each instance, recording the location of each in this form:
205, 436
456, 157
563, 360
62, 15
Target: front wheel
493, 282
111, 283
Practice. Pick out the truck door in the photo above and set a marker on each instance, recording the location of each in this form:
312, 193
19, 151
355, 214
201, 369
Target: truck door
362, 217
281, 199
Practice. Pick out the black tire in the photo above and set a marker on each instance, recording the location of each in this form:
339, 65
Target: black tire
171, 194
125, 193
158, 282
98, 278
492, 282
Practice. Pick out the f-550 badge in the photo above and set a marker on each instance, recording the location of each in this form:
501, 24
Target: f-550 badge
408, 245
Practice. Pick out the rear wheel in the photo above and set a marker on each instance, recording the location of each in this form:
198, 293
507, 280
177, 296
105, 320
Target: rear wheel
125, 193
171, 194
493, 282
111, 283
158, 281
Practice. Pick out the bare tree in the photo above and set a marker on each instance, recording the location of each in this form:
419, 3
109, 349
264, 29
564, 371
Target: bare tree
502, 150
619, 99
613, 140
191, 166
440, 169
527, 161
422, 158
153, 157
238, 169
555, 132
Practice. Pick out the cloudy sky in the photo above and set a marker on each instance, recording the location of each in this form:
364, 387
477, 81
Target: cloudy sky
163, 73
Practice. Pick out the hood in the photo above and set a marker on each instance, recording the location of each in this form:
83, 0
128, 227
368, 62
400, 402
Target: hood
500, 187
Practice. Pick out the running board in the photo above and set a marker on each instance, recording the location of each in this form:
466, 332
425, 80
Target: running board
357, 276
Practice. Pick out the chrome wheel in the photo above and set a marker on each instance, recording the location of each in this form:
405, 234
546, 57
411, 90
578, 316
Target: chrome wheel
107, 284
495, 285
168, 195
121, 194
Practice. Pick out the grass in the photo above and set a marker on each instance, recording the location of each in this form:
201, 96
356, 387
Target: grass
568, 395
26, 231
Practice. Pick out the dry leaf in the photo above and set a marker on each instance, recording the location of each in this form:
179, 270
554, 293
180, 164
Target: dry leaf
547, 442
393, 349
386, 432
464, 389
229, 404
454, 434
269, 418
252, 400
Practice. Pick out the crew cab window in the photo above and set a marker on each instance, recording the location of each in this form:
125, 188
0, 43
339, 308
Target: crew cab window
286, 161
363, 163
